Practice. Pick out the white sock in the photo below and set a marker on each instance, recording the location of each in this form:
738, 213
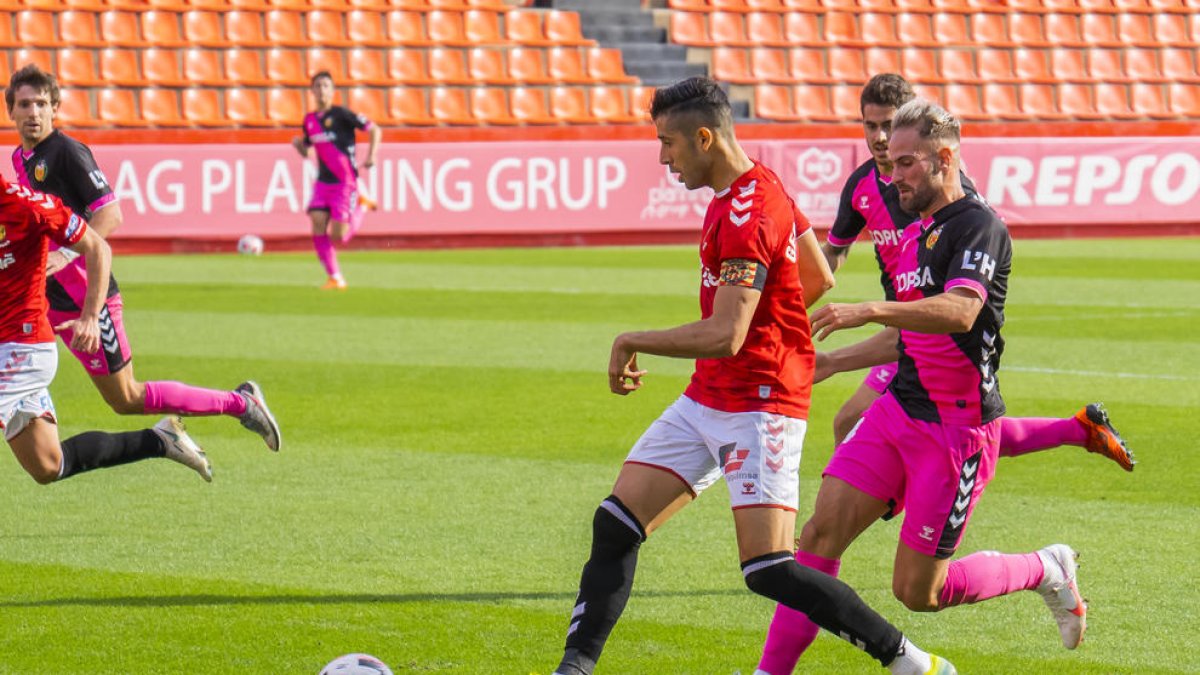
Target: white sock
910, 661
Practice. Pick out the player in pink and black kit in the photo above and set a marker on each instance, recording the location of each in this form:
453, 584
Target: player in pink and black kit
52, 162
870, 201
743, 416
29, 221
929, 444
336, 210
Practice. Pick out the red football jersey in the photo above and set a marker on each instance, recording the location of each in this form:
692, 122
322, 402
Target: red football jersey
749, 239
28, 221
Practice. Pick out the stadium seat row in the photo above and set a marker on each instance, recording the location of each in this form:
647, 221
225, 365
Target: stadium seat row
933, 6
994, 101
396, 106
289, 67
732, 29
970, 66
260, 5
160, 28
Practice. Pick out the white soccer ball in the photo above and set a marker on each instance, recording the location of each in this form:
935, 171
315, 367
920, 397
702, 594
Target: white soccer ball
250, 244
356, 664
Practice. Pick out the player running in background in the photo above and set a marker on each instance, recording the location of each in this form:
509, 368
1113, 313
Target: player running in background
336, 210
29, 358
929, 443
743, 415
49, 161
870, 201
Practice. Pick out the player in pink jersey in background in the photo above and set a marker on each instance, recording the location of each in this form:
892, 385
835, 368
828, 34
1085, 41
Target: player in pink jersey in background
336, 209
52, 162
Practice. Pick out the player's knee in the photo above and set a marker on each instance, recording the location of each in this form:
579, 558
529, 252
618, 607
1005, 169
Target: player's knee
771, 574
615, 531
820, 537
124, 404
45, 471
916, 597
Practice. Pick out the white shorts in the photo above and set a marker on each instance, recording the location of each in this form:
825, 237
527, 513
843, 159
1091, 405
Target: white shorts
757, 452
25, 375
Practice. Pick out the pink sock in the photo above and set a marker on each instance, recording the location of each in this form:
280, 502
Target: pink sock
791, 632
326, 254
356, 221
1019, 435
987, 574
177, 397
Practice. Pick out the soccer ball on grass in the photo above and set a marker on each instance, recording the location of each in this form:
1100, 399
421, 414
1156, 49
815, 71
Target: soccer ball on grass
356, 664
250, 244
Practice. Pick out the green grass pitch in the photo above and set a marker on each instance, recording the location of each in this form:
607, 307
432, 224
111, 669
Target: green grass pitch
448, 433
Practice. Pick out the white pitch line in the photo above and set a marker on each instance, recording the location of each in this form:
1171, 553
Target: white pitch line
1099, 373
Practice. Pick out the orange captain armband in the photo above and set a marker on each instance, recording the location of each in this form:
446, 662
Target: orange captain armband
744, 273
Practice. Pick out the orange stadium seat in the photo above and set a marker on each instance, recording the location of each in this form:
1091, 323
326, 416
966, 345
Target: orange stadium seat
957, 65
1111, 7
1141, 65
1135, 30
491, 5
764, 29
286, 67
117, 107
802, 30
488, 66
321, 59
564, 28
732, 64
808, 6
1063, 30
951, 30
1061, 65
285, 106
366, 66
608, 105
1026, 30
8, 34
640, 98
78, 29
161, 68
525, 27
408, 66
120, 29
120, 67
203, 66
1178, 65
1102, 65
76, 68
40, 57
728, 29
1039, 101
847, 65
607, 65
370, 5
160, 107
489, 105
446, 28
285, 29
243, 67
365, 29
208, 6
525, 65
407, 28
1031, 6
841, 29
729, 5
840, 5
1098, 31
963, 101
880, 29
565, 65
1178, 6
161, 29
889, 6
918, 30
808, 65
1000, 100
528, 104
846, 104
932, 92
448, 105
570, 105
245, 29
882, 60
953, 6
995, 65
203, 29
250, 5
920, 65
1183, 100
1075, 100
1067, 6
1171, 30
1112, 100
482, 27
327, 28
990, 30
244, 107
409, 106
448, 66
774, 102
1148, 100
202, 108
371, 103
771, 65
690, 5
36, 29
914, 6
766, 5
75, 110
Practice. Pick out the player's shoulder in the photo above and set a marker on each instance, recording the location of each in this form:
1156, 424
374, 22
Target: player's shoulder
868, 169
972, 213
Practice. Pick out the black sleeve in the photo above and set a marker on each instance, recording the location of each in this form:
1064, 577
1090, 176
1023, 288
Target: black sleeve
83, 178
981, 252
849, 223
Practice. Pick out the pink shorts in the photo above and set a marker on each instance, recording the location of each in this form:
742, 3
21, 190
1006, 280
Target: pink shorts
936, 472
339, 199
114, 353
880, 377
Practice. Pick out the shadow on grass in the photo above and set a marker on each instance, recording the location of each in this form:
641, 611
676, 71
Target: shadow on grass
209, 600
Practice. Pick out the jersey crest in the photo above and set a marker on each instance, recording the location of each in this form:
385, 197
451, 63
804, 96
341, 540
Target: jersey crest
39, 171
933, 237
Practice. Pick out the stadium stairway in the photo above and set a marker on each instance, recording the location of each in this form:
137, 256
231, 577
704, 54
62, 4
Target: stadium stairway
629, 26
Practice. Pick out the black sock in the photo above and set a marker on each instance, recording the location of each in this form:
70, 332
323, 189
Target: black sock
604, 587
98, 449
828, 602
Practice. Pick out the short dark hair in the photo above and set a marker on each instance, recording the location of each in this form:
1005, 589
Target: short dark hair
35, 77
888, 90
697, 96
319, 74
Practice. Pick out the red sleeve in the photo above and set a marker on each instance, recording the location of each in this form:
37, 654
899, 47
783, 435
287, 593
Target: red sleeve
60, 223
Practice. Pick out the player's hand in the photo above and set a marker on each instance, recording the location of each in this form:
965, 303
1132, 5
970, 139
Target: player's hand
835, 317
823, 370
367, 163
623, 373
55, 261
86, 334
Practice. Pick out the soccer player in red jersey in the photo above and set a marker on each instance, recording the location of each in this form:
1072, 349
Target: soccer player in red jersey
929, 444
743, 415
336, 209
28, 356
51, 162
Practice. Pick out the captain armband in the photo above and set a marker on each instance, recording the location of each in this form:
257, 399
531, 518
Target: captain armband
744, 273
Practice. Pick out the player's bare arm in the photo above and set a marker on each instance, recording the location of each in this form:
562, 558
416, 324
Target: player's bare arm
98, 256
951, 312
104, 222
301, 145
816, 277
835, 256
376, 135
876, 350
720, 335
